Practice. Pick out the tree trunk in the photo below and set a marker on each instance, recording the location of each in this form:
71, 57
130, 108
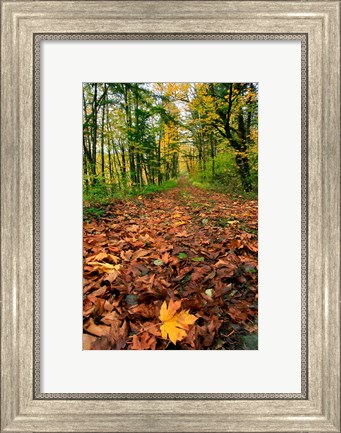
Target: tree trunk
212, 156
159, 175
131, 147
102, 146
94, 136
242, 159
110, 164
238, 142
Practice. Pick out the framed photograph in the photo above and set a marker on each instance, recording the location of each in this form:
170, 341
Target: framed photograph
170, 216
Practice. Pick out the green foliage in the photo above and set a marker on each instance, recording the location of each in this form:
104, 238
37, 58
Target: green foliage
250, 341
198, 259
138, 135
151, 189
226, 176
90, 213
95, 191
98, 194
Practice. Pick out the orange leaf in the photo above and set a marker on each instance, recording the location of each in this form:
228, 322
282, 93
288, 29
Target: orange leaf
175, 325
98, 330
144, 342
140, 253
166, 313
87, 341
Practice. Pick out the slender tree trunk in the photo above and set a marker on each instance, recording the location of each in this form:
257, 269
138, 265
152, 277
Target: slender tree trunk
159, 175
85, 167
117, 164
102, 146
212, 156
131, 148
238, 141
110, 164
86, 144
124, 166
94, 136
138, 140
241, 156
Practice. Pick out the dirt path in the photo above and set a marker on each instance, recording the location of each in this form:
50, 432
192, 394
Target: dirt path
185, 244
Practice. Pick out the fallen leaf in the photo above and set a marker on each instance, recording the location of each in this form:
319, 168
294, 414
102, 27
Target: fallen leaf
140, 253
102, 343
237, 315
126, 255
251, 328
175, 325
104, 267
182, 234
198, 259
135, 257
131, 299
165, 258
179, 223
119, 333
133, 228
143, 342
87, 341
112, 276
98, 330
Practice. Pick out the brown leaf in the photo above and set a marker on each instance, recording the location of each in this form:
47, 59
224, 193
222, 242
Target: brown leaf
251, 328
98, 330
99, 292
165, 258
143, 342
110, 317
119, 333
140, 253
217, 281
237, 315
87, 341
147, 311
112, 276
182, 234
102, 343
126, 255
132, 229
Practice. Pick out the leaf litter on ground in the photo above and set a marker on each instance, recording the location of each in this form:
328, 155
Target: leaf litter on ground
139, 262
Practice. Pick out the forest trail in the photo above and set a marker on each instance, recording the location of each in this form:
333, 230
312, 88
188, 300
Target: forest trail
184, 244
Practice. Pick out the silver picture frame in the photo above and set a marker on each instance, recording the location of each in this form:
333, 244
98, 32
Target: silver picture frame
24, 25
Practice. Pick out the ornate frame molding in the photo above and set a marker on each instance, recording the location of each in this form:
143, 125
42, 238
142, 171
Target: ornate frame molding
27, 22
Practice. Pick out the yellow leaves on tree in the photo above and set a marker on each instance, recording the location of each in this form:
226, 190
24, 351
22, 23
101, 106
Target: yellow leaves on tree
175, 325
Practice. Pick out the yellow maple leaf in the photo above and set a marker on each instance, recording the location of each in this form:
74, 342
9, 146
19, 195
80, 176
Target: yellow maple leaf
175, 325
104, 267
180, 223
166, 313
102, 256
